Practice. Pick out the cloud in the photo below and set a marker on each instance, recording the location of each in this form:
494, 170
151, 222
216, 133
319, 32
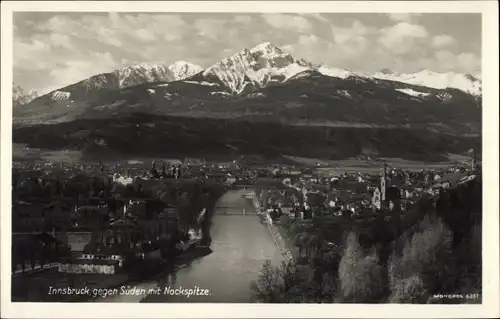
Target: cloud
352, 41
145, 35
115, 29
309, 39
448, 61
469, 63
29, 54
285, 21
212, 28
290, 48
350, 34
402, 37
68, 48
403, 17
443, 40
76, 70
171, 37
317, 16
245, 20
61, 40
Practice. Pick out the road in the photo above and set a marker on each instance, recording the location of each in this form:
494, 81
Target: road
240, 244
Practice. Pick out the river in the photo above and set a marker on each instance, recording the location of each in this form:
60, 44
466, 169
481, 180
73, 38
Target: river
240, 244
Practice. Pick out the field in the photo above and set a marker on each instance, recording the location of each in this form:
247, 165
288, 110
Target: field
374, 166
20, 152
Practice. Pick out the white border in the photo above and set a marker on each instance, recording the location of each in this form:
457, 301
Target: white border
489, 308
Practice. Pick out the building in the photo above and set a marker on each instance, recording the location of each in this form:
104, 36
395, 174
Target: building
390, 194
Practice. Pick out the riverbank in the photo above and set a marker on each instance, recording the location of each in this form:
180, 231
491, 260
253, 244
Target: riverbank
282, 244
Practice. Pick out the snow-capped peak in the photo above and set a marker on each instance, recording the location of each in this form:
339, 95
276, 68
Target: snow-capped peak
149, 72
182, 70
265, 46
139, 67
256, 67
268, 50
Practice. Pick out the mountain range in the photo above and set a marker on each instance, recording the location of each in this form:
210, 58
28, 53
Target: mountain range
266, 84
247, 71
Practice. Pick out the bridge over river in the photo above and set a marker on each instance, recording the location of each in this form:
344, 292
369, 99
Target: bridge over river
240, 244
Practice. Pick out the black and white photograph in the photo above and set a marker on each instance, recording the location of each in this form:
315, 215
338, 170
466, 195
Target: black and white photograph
244, 157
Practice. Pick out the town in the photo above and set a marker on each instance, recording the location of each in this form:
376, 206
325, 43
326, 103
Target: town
66, 216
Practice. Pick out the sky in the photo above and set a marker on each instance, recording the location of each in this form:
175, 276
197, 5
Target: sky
55, 49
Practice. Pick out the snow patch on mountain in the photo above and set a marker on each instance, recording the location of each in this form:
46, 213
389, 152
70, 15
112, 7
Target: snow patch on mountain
291, 70
344, 93
336, 73
148, 73
142, 73
205, 83
60, 96
220, 93
444, 97
256, 95
463, 82
182, 70
413, 92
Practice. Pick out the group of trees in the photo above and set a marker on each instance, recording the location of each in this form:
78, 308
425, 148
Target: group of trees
427, 265
436, 255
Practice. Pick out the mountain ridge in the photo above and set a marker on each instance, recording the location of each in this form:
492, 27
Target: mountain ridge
248, 70
121, 78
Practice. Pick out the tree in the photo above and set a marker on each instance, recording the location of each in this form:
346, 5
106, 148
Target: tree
361, 277
469, 256
409, 290
275, 284
321, 286
427, 254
